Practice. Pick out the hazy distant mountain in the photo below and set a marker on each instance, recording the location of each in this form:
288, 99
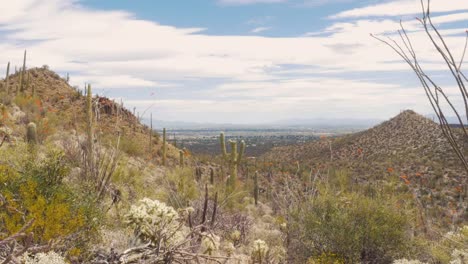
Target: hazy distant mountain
329, 123
319, 123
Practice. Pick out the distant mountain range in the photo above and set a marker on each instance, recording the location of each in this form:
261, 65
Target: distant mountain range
320, 123
313, 123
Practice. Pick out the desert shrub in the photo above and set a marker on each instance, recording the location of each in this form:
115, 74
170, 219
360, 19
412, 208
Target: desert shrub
34, 190
354, 227
326, 258
132, 147
181, 188
31, 106
451, 247
6, 98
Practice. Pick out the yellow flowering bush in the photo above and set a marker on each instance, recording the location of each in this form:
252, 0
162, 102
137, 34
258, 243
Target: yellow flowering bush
36, 191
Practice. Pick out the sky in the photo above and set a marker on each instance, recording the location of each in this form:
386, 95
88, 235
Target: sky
235, 61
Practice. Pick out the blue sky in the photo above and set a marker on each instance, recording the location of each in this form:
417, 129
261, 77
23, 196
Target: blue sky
285, 19
234, 61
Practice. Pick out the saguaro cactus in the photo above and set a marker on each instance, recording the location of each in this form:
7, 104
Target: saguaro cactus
164, 147
151, 135
223, 145
181, 158
89, 130
23, 71
211, 176
234, 158
256, 190
31, 133
7, 78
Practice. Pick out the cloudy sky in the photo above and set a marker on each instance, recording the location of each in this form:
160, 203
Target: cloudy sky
234, 61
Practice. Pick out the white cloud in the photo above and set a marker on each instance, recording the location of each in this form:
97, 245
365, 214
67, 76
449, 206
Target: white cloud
402, 7
260, 29
113, 49
249, 2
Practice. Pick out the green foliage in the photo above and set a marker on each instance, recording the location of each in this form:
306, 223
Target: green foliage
182, 187
351, 225
326, 258
131, 146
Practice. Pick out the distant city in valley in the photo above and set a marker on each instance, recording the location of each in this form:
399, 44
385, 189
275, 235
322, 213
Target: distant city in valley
258, 140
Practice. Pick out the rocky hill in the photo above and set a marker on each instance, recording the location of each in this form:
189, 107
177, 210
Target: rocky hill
56, 106
408, 147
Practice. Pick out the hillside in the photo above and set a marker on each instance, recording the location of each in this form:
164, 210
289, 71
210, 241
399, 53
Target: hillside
55, 106
386, 193
408, 146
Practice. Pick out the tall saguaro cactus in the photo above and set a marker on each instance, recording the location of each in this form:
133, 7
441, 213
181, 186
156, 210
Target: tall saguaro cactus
164, 147
151, 135
256, 190
181, 158
7, 78
23, 72
234, 158
89, 130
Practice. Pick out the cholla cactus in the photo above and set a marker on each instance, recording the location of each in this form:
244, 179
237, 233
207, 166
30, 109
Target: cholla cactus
155, 222
44, 258
459, 257
259, 251
228, 247
406, 261
209, 244
235, 236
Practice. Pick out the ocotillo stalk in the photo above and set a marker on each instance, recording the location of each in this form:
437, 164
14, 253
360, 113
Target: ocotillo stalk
7, 78
89, 131
256, 191
31, 134
181, 158
164, 147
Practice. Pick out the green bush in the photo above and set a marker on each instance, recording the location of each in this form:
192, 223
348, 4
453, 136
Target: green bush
351, 226
181, 188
